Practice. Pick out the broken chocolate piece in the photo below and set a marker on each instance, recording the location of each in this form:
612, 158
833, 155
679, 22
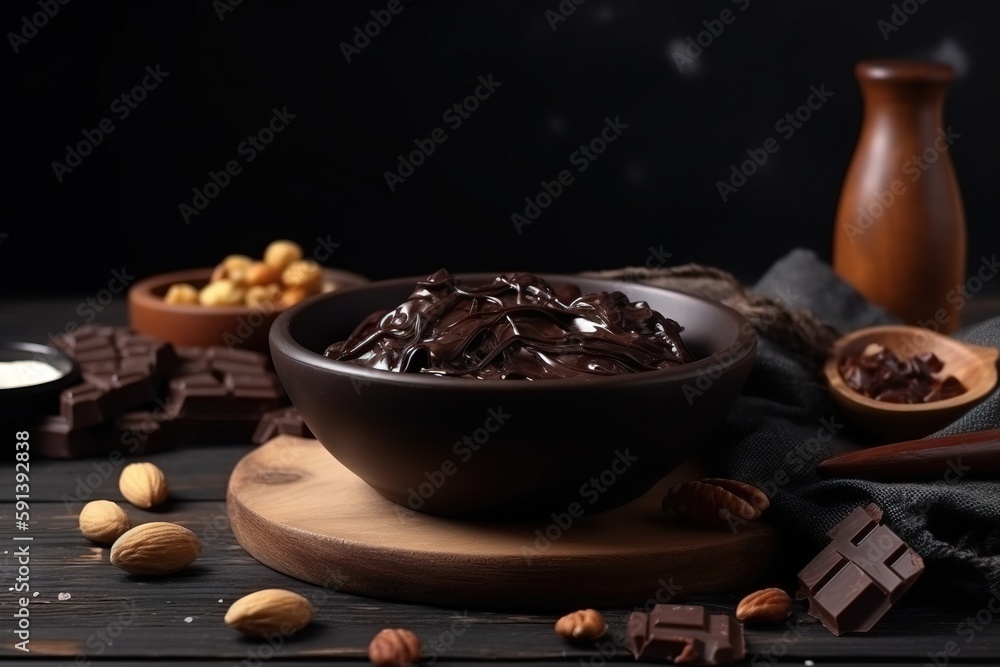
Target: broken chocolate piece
217, 396
54, 437
879, 374
284, 421
684, 634
864, 570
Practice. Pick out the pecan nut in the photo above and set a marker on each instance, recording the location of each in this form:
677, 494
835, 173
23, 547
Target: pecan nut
770, 605
715, 501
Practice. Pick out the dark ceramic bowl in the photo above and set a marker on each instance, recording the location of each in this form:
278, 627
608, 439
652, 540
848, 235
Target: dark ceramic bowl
505, 449
31, 401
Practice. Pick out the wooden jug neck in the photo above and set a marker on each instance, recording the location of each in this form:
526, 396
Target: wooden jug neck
907, 92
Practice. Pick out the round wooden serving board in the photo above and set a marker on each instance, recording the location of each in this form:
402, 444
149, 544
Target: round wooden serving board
296, 509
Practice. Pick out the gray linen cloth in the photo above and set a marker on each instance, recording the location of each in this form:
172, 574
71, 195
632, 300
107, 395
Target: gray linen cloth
785, 423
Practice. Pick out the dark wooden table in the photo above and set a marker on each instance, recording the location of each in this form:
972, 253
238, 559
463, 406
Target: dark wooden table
107, 616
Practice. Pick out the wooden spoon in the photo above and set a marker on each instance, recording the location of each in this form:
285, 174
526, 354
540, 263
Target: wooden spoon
950, 457
974, 365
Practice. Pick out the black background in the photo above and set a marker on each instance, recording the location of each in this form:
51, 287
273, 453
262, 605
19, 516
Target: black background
324, 175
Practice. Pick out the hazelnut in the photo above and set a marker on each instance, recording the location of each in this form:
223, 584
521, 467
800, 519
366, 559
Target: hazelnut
304, 274
280, 254
221, 293
234, 268
292, 296
584, 625
260, 273
263, 295
181, 293
394, 647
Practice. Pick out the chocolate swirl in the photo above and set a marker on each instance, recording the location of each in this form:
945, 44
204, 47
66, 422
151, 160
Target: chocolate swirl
517, 327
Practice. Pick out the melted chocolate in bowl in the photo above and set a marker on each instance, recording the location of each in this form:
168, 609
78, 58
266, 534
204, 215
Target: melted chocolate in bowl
516, 327
452, 446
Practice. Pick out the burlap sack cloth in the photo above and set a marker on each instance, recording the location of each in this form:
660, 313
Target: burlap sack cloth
785, 423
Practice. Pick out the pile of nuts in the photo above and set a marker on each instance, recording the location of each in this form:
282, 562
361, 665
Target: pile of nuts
282, 279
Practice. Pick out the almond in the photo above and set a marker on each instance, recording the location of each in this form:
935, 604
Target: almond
158, 547
585, 624
273, 610
143, 484
103, 521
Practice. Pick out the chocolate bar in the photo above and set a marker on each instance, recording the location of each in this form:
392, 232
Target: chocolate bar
684, 634
120, 371
140, 395
54, 437
283, 421
230, 390
864, 570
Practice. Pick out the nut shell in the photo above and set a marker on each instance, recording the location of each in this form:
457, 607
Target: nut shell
155, 548
770, 605
584, 625
270, 611
103, 521
394, 648
143, 484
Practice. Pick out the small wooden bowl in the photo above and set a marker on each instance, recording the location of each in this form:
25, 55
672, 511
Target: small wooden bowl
238, 327
975, 366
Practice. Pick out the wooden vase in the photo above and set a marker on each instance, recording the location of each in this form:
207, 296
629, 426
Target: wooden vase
900, 226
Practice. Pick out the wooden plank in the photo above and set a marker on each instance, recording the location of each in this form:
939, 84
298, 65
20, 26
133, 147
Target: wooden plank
104, 598
196, 473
